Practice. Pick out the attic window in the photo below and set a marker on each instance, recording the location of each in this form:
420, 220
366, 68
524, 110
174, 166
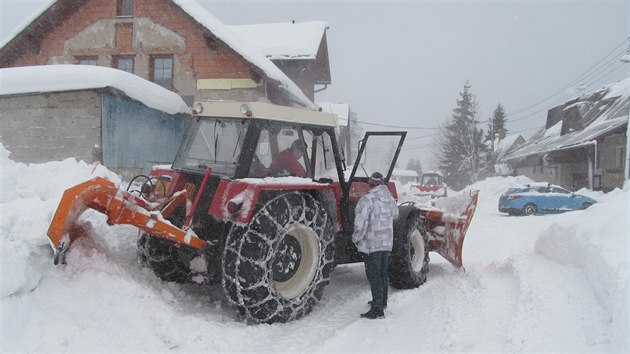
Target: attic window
124, 8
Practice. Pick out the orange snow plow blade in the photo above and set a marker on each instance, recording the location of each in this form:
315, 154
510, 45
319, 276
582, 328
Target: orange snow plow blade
121, 207
447, 226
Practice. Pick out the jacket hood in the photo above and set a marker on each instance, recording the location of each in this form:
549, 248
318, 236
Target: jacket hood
381, 193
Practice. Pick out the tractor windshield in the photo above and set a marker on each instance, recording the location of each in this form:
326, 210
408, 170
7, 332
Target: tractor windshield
213, 142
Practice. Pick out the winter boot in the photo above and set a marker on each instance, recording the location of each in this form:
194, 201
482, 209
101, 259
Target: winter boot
374, 313
384, 305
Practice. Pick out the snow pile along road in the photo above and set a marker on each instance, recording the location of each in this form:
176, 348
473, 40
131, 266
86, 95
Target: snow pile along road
599, 246
541, 283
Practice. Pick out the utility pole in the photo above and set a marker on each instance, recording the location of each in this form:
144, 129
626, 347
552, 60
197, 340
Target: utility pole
626, 59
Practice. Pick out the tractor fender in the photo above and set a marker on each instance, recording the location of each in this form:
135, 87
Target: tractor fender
404, 210
236, 200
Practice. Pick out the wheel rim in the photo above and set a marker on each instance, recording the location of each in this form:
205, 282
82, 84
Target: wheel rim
530, 210
417, 250
288, 259
296, 263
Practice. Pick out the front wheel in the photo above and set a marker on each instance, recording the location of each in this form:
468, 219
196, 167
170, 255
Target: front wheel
163, 258
530, 209
276, 267
409, 260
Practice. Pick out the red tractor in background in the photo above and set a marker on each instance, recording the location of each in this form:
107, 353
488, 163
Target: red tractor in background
220, 215
431, 184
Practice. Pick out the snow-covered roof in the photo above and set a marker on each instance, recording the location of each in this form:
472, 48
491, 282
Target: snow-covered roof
223, 33
342, 110
505, 143
45, 5
611, 115
284, 41
57, 78
503, 146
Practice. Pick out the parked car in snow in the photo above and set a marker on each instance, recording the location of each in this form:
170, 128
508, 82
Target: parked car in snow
541, 198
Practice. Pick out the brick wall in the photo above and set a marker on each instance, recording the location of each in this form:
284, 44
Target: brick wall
94, 30
124, 37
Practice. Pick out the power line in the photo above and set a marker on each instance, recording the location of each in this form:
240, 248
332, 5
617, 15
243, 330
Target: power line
580, 77
415, 147
562, 98
396, 126
420, 137
566, 96
524, 130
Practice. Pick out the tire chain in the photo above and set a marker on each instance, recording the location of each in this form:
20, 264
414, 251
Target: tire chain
306, 212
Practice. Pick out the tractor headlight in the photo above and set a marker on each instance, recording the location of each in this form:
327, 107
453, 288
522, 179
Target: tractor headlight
198, 108
245, 110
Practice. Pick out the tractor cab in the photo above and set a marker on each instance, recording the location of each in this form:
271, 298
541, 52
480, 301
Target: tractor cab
431, 184
245, 140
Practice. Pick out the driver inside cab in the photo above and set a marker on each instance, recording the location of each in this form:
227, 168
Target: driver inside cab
288, 160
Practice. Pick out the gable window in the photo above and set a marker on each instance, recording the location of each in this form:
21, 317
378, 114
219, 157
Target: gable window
162, 71
87, 60
124, 64
124, 8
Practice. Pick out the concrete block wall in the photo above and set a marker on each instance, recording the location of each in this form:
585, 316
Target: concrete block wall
54, 126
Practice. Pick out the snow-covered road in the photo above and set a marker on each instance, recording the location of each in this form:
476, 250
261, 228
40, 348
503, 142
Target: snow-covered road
523, 290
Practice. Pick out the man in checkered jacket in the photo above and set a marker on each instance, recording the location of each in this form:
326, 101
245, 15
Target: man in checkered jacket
374, 237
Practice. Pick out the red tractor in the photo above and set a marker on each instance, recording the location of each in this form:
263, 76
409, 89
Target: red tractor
222, 215
431, 184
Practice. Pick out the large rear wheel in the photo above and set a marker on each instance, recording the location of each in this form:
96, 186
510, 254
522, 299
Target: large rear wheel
409, 260
276, 267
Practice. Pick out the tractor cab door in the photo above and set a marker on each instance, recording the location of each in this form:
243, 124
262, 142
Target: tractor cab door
378, 152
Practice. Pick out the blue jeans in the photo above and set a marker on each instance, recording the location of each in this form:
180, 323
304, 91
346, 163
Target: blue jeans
376, 270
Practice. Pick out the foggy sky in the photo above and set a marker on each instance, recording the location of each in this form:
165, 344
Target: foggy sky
404, 63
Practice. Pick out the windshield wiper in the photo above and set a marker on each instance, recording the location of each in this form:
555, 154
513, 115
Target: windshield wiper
237, 140
216, 140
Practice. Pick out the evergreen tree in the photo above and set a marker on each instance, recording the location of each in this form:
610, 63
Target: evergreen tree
496, 128
496, 132
460, 148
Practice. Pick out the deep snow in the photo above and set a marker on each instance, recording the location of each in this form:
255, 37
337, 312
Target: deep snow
541, 283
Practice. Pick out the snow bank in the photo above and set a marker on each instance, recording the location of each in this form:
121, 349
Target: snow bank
566, 294
596, 240
30, 195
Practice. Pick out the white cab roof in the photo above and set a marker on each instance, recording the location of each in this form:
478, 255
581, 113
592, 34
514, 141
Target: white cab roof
260, 110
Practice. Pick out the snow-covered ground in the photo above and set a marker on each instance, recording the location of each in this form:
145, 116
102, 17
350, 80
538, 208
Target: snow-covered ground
555, 283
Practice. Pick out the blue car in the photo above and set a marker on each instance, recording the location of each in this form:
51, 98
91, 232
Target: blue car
541, 198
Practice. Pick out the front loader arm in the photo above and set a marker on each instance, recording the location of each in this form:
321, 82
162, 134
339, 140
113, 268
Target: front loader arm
120, 207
